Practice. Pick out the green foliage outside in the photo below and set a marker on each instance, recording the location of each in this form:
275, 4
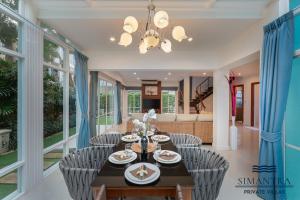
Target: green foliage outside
134, 101
13, 4
168, 101
8, 75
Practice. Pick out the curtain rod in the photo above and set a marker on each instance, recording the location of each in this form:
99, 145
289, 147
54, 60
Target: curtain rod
296, 10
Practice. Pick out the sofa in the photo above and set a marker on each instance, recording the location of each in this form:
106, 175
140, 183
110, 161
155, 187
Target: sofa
200, 125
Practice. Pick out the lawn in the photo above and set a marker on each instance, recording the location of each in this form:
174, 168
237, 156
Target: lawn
6, 189
11, 157
102, 120
57, 137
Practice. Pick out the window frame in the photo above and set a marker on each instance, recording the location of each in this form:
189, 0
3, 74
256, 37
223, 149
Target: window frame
168, 106
65, 69
129, 108
20, 163
105, 114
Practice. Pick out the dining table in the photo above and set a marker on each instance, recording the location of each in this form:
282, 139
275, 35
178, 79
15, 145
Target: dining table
171, 175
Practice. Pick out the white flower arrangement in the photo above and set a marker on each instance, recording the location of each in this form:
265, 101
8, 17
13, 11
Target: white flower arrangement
141, 127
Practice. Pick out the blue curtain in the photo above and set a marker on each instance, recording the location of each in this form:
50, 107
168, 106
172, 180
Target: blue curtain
275, 74
81, 70
118, 103
93, 102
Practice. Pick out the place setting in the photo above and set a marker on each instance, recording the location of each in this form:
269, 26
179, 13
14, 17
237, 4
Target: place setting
130, 138
166, 156
160, 138
142, 173
123, 157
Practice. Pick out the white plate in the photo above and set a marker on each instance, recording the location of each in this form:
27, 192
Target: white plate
148, 180
150, 133
157, 138
175, 160
132, 139
118, 162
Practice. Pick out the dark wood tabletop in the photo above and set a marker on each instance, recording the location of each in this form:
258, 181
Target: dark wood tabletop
112, 175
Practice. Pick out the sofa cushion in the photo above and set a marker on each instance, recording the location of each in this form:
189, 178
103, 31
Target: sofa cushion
205, 117
166, 117
138, 116
186, 117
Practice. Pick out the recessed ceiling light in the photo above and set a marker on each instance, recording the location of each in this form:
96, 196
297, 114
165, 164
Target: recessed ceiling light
204, 73
134, 73
166, 78
169, 73
190, 39
112, 39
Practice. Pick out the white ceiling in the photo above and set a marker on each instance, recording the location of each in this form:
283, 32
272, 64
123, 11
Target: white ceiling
90, 23
174, 76
212, 24
94, 34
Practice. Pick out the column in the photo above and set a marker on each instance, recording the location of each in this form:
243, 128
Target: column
221, 110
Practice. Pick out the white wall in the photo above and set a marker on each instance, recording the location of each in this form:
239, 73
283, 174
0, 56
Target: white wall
186, 95
221, 110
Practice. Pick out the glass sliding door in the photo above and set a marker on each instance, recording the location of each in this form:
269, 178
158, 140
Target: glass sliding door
168, 101
105, 119
134, 101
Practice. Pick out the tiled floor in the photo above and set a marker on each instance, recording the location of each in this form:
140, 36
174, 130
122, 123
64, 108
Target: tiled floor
241, 161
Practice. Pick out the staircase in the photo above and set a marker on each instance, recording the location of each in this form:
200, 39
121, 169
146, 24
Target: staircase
203, 90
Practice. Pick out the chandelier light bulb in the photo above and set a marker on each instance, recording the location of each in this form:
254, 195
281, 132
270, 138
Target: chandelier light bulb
143, 48
130, 24
166, 46
161, 19
125, 39
178, 33
151, 39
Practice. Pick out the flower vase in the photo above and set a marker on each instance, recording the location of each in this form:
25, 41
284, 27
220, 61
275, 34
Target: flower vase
233, 135
144, 146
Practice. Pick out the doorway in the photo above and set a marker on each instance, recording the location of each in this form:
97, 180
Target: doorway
255, 104
239, 95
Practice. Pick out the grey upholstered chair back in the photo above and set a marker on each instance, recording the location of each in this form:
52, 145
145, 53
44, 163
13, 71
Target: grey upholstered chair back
207, 169
187, 140
106, 139
80, 169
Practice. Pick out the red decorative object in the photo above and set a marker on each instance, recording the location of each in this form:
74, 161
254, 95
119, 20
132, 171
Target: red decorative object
230, 78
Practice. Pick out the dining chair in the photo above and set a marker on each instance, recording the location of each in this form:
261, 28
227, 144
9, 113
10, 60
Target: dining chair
207, 168
80, 169
105, 139
187, 140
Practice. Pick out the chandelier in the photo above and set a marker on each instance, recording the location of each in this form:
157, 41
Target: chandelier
152, 36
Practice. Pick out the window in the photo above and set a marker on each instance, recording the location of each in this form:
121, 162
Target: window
13, 4
59, 102
134, 101
168, 101
105, 117
11, 160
